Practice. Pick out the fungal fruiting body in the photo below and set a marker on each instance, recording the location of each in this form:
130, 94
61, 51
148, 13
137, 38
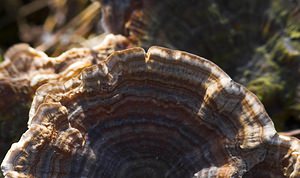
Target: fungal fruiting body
25, 68
164, 113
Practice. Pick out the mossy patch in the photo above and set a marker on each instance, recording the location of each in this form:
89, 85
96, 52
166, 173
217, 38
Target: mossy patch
265, 87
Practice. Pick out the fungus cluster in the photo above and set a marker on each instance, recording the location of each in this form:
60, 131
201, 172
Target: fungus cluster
161, 113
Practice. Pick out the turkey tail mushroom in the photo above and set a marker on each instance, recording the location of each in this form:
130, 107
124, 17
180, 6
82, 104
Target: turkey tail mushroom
25, 68
164, 113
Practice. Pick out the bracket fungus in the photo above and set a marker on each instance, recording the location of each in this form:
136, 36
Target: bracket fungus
164, 113
25, 68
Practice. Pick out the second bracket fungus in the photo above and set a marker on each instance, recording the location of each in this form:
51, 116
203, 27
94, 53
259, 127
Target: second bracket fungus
25, 68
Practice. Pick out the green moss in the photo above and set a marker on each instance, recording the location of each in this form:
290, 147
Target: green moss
265, 87
285, 51
295, 34
214, 10
279, 11
269, 66
296, 107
